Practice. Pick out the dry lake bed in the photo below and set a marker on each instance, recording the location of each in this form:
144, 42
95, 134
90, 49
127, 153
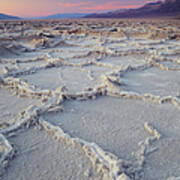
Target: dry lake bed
90, 99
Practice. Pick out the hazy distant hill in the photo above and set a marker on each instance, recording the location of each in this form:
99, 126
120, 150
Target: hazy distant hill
154, 9
4, 16
61, 16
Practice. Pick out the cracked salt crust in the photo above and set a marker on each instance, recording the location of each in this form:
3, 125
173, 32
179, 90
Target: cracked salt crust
106, 90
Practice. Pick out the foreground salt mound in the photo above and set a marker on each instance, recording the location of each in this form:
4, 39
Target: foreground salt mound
39, 156
106, 122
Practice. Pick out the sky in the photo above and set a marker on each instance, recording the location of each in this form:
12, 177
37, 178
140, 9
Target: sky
33, 8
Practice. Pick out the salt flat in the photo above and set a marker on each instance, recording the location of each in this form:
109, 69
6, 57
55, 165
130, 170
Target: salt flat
94, 99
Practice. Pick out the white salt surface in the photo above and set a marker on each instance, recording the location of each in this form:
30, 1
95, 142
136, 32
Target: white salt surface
117, 125
90, 100
73, 78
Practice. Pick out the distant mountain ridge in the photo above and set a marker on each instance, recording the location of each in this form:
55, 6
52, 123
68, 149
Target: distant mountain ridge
6, 17
153, 9
63, 16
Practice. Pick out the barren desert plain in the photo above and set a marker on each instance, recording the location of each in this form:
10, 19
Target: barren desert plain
90, 99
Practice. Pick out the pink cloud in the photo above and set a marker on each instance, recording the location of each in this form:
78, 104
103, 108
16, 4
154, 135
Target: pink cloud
73, 5
90, 6
107, 6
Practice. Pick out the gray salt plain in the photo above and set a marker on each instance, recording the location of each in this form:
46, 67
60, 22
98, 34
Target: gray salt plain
86, 103
11, 106
154, 81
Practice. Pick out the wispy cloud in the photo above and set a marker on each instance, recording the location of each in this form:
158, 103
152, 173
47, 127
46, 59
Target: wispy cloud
95, 6
73, 5
109, 6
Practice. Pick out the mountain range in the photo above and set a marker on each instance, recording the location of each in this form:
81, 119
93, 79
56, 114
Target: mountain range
6, 17
153, 9
53, 16
65, 15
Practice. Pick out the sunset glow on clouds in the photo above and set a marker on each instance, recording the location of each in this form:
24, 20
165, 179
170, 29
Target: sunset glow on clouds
90, 6
29, 8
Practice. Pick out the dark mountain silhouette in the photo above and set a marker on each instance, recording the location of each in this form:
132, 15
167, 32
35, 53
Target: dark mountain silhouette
153, 9
7, 17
